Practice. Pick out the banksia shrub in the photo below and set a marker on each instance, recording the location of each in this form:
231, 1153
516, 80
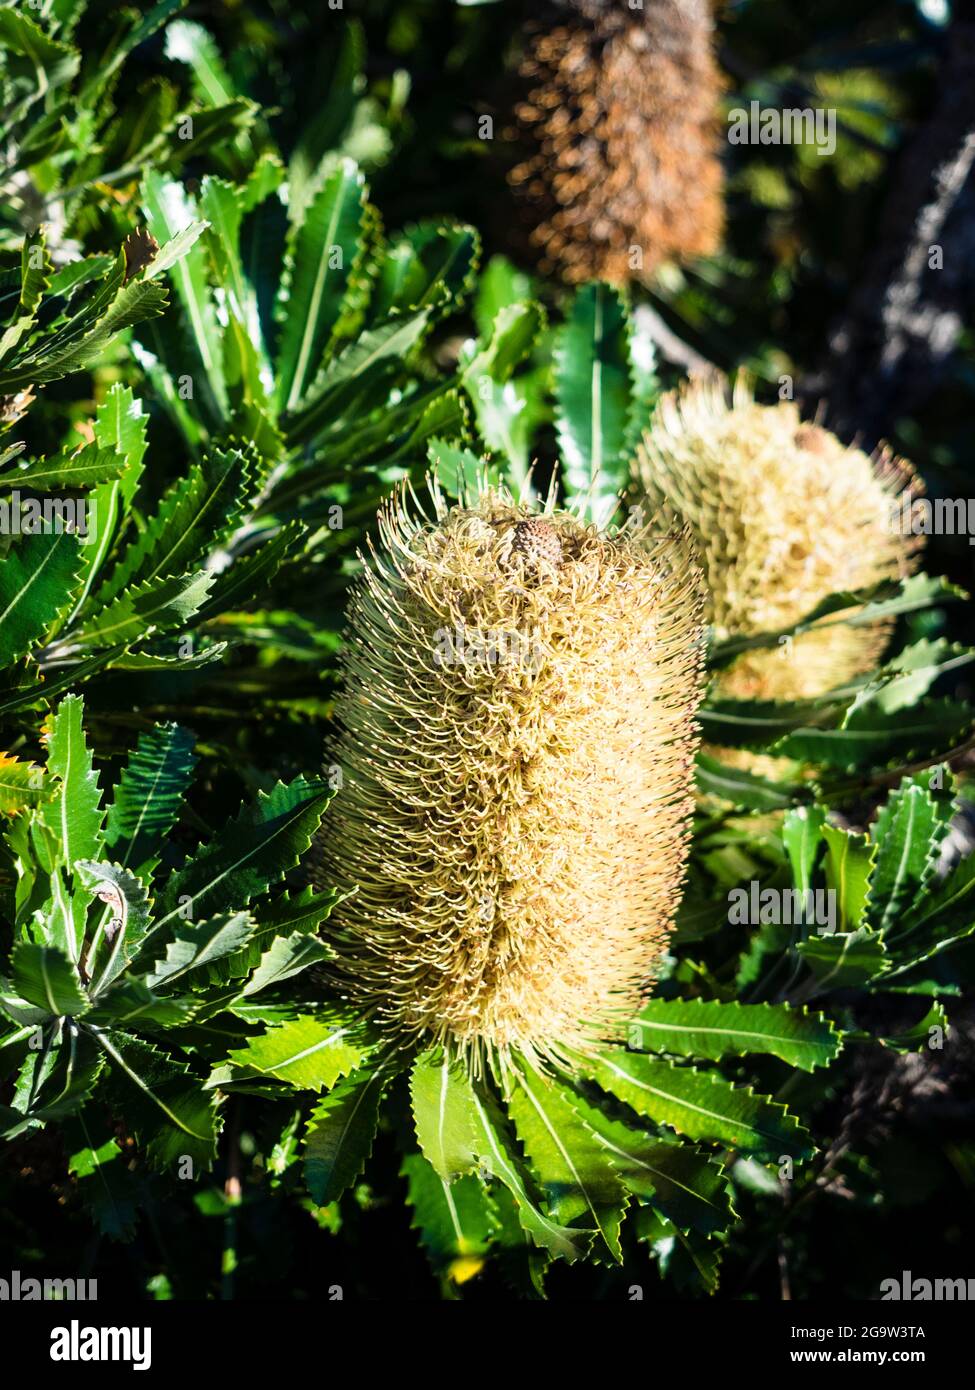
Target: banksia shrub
517, 751
618, 138
783, 515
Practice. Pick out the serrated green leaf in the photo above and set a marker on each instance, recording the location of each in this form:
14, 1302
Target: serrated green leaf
294, 912
84, 468
849, 867
644, 382
71, 1080
844, 959
168, 211
498, 284
580, 1182
37, 579
459, 471
188, 42
133, 303
498, 1159
755, 724
336, 386
860, 608
150, 661
689, 1260
149, 794
162, 1103
712, 1030
802, 835
149, 606
701, 1105
224, 207
119, 425
283, 944
194, 515
51, 63
42, 691
309, 1053
35, 1065
323, 252
21, 785
190, 947
123, 923
872, 737
743, 789
74, 815
908, 832
592, 392
508, 411
129, 1003
690, 1188
35, 273
940, 920
285, 1150
340, 1132
455, 1221
212, 126
429, 266
913, 670
444, 1114
508, 414
72, 276
915, 1038
44, 976
248, 855
251, 574
940, 971
514, 334
174, 250
287, 956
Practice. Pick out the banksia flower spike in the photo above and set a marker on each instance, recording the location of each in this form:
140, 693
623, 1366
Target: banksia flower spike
517, 751
783, 516
618, 137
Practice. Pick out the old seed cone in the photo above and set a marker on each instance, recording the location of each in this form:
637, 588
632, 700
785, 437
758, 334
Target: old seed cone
617, 138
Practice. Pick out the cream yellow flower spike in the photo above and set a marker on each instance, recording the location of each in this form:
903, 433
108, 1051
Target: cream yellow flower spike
518, 755
783, 515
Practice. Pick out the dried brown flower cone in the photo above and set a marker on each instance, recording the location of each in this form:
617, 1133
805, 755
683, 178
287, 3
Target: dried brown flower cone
783, 515
518, 754
618, 136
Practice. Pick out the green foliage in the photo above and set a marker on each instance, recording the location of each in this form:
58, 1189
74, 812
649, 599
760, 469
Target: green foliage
318, 360
118, 961
295, 366
63, 322
231, 401
656, 1129
603, 388
72, 133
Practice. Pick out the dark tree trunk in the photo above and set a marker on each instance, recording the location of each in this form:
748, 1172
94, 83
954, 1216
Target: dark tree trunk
890, 350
